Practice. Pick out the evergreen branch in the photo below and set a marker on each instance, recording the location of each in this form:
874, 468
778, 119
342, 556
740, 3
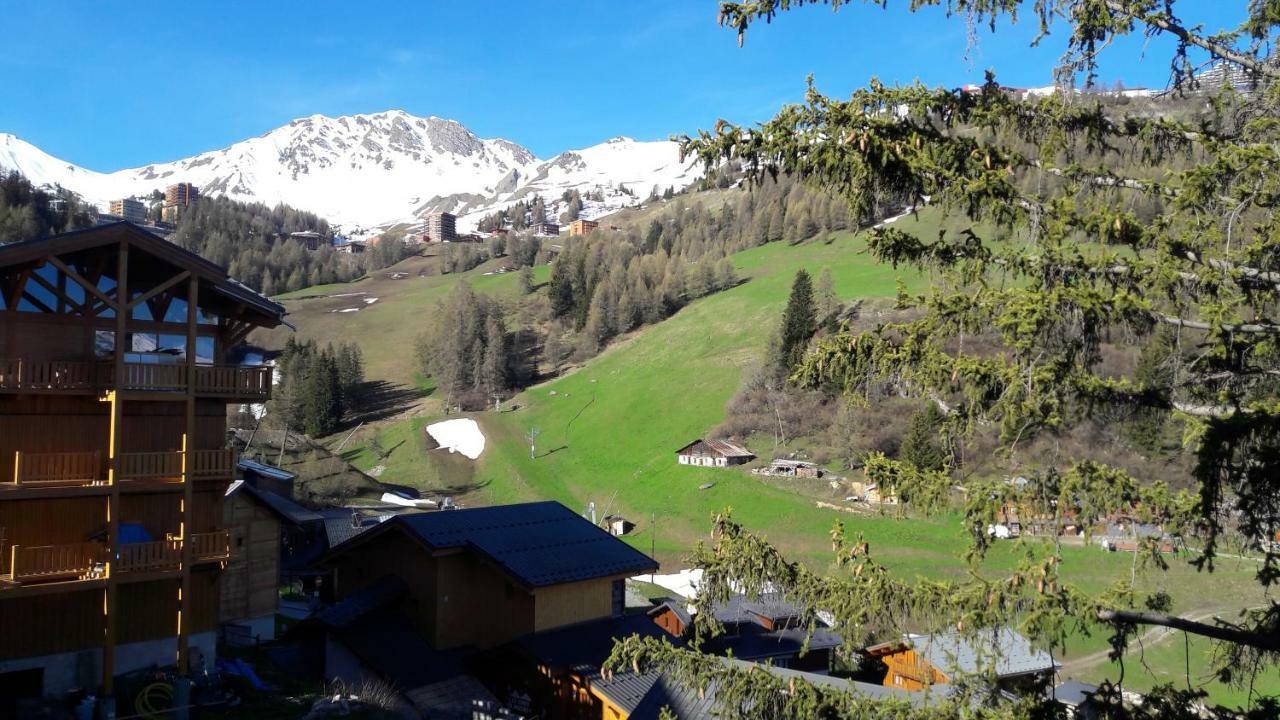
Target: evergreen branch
1267, 641
1165, 23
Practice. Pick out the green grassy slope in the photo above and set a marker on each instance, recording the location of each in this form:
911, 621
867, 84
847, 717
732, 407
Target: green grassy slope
609, 431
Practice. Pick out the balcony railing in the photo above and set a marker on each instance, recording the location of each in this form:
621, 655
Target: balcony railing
55, 376
87, 469
214, 545
150, 556
68, 469
47, 563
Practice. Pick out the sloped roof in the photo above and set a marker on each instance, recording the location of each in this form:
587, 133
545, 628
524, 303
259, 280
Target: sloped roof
688, 704
540, 543
1074, 693
675, 606
1005, 651
727, 448
287, 509
214, 277
338, 528
582, 649
270, 471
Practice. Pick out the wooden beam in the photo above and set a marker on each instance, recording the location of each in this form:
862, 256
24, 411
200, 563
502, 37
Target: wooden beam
59, 293
188, 483
158, 289
113, 452
38, 303
123, 274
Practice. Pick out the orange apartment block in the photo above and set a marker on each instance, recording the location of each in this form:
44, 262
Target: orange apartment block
113, 461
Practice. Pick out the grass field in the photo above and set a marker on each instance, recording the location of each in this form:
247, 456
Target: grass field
608, 432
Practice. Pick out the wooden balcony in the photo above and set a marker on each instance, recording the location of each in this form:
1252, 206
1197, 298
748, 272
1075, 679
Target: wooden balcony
211, 546
33, 564
78, 473
156, 556
56, 470
230, 382
165, 468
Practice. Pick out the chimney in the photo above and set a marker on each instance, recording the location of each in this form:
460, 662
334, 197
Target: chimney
355, 519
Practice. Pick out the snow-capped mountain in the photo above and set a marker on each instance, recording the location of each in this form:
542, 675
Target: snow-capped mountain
378, 169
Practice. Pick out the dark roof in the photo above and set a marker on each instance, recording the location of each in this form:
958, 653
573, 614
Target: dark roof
747, 636
582, 649
379, 594
1007, 652
214, 277
675, 606
339, 529
275, 473
540, 543
371, 626
1074, 693
287, 509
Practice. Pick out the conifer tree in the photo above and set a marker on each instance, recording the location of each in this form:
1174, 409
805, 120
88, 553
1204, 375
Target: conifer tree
799, 322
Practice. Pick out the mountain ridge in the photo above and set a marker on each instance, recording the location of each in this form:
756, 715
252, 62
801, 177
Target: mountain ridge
373, 170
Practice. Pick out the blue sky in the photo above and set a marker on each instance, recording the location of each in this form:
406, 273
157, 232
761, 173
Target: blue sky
110, 85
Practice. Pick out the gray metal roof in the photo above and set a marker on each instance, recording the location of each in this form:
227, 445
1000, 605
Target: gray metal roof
1003, 650
540, 543
270, 471
286, 508
1074, 693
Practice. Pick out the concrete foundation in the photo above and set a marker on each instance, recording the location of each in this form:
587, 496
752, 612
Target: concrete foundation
83, 668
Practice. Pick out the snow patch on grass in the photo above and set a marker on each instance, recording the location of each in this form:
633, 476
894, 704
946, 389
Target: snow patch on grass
461, 436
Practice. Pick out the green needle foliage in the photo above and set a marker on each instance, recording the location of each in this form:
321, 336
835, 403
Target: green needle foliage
1054, 262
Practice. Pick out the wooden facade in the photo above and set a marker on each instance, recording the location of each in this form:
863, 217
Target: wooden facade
251, 580
463, 600
907, 669
113, 393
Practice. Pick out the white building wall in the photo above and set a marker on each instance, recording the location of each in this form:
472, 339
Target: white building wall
83, 668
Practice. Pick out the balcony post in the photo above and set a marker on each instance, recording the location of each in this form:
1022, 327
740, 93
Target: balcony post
188, 480
110, 610
17, 468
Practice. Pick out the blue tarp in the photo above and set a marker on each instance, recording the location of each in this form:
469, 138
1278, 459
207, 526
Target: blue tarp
134, 533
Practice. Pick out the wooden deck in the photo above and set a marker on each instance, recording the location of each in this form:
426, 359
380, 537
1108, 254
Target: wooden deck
69, 563
140, 472
251, 383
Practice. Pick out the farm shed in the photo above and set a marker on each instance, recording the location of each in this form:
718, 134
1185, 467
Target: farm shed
713, 453
794, 468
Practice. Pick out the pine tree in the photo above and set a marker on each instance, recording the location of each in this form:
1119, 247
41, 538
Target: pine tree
526, 280
799, 323
827, 302
920, 446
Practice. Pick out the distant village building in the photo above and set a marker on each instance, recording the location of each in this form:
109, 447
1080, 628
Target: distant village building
618, 525
441, 227
582, 227
546, 229
309, 238
351, 247
177, 198
794, 468
129, 209
713, 453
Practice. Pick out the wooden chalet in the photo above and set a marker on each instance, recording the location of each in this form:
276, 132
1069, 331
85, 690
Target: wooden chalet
920, 661
260, 521
113, 467
713, 453
484, 576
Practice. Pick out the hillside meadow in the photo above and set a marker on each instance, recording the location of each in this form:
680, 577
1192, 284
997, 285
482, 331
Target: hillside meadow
608, 431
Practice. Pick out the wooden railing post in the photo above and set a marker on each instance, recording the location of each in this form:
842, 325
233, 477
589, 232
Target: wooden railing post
17, 468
